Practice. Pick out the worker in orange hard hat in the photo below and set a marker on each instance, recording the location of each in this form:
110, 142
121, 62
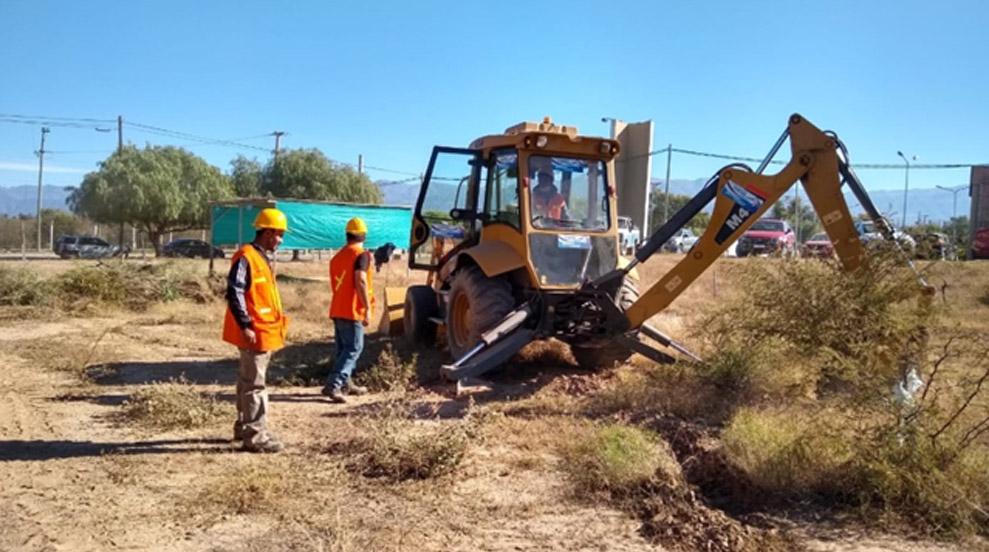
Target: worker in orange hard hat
256, 325
350, 309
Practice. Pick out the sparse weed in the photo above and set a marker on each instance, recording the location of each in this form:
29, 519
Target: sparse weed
390, 372
398, 448
173, 405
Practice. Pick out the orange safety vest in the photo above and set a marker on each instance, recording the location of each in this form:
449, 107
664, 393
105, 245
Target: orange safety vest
552, 206
345, 302
264, 306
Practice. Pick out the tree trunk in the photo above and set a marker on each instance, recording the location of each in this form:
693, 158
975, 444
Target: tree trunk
155, 237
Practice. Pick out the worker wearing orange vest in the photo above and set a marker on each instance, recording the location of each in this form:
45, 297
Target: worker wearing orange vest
350, 308
255, 324
547, 201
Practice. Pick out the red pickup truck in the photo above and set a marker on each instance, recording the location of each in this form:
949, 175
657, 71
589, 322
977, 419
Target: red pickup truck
767, 236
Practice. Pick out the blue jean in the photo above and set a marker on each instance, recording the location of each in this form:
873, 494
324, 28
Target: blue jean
349, 338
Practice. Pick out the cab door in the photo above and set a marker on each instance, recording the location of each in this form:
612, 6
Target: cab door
446, 212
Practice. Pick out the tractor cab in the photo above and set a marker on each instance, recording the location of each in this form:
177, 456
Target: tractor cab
537, 201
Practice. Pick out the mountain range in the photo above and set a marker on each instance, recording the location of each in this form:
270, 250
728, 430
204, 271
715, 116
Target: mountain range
930, 203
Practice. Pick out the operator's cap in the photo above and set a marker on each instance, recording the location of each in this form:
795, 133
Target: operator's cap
356, 226
271, 218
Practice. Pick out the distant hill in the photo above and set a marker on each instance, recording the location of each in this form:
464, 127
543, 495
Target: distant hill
18, 200
398, 193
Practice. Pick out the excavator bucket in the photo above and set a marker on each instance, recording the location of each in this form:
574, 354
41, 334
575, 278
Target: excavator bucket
391, 315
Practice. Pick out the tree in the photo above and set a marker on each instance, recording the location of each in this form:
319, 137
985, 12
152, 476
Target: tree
308, 174
157, 189
246, 176
806, 225
677, 202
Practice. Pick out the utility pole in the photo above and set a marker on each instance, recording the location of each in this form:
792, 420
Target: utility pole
666, 195
360, 164
954, 207
120, 148
41, 170
278, 140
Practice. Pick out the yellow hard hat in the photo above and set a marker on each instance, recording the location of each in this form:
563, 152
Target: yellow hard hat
271, 218
356, 226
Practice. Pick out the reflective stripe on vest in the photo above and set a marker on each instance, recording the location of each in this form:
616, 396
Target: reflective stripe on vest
345, 302
264, 306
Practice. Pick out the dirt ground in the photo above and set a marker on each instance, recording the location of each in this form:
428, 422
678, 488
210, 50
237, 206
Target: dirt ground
77, 476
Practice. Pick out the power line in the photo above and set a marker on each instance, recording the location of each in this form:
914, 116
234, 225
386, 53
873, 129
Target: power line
393, 171
187, 136
48, 123
47, 118
853, 165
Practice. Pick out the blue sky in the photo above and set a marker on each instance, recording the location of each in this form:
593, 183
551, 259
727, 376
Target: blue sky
391, 79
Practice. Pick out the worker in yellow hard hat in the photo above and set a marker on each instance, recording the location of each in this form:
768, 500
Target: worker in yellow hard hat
350, 309
256, 325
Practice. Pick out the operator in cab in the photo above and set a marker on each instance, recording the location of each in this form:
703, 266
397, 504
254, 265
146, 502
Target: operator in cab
547, 201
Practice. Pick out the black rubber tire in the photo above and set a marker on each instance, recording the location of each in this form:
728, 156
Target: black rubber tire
608, 354
488, 300
420, 306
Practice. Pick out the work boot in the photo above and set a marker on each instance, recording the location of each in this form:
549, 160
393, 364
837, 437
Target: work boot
268, 445
334, 394
354, 389
239, 431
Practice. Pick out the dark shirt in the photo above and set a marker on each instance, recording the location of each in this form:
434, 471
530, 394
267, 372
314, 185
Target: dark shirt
238, 280
363, 261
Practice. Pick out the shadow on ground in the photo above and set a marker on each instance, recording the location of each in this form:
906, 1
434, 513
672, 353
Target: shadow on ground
223, 372
52, 450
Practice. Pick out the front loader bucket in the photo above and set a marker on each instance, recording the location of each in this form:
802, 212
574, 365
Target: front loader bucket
391, 315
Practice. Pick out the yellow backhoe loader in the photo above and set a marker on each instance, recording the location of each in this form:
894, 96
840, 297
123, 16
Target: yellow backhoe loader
519, 235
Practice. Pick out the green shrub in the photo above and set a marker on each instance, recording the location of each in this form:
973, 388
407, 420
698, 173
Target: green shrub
21, 287
619, 460
788, 452
854, 328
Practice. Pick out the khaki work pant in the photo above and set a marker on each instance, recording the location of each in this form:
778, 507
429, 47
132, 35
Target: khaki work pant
252, 396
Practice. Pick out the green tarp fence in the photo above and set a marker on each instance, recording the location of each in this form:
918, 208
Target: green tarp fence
311, 224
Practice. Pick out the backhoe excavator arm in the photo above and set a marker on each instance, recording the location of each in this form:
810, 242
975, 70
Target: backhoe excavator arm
742, 196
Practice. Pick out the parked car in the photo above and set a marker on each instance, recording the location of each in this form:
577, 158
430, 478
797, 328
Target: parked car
767, 236
681, 242
186, 247
869, 233
628, 235
818, 246
86, 247
980, 244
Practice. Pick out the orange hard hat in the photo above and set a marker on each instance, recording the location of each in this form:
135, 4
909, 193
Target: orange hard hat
356, 226
271, 218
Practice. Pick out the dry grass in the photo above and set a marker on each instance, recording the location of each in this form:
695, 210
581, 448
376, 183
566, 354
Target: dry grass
176, 404
246, 489
129, 285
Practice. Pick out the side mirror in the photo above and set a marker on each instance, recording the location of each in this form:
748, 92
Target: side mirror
462, 214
